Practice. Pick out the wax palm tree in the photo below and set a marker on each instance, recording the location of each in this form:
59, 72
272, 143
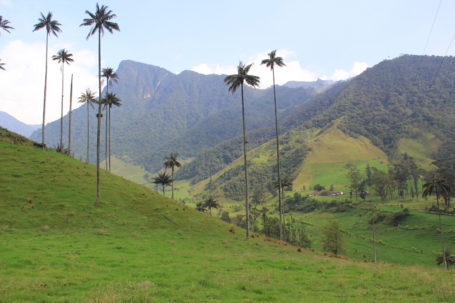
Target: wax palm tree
163, 179
440, 188
110, 76
88, 98
62, 57
234, 82
52, 27
172, 162
211, 203
99, 21
109, 101
4, 25
271, 61
2, 65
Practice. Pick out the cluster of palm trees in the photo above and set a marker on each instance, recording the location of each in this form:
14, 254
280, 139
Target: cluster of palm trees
239, 80
99, 21
163, 178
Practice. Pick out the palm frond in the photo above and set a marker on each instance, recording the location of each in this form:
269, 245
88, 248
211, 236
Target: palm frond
100, 21
273, 60
237, 80
4, 25
63, 56
52, 26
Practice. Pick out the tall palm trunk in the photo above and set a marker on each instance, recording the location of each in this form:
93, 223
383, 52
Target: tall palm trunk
280, 208
98, 132
247, 203
441, 234
107, 121
88, 131
109, 135
43, 132
61, 108
374, 242
172, 182
69, 116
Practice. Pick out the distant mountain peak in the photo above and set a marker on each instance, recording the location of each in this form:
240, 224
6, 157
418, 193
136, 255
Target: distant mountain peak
9, 122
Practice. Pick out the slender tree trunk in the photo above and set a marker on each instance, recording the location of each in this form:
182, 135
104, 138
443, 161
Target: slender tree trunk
280, 195
98, 132
443, 248
264, 217
247, 203
172, 183
109, 138
374, 242
69, 116
61, 108
163, 191
107, 121
43, 131
88, 131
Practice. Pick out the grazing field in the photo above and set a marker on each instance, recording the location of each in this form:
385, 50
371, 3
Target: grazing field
57, 246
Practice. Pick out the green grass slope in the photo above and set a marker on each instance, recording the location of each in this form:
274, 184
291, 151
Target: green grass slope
330, 150
56, 246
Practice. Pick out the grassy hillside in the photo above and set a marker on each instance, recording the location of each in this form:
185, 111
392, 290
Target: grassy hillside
330, 151
138, 247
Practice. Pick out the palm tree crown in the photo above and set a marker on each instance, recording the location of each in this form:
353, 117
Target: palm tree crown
87, 97
273, 60
171, 161
2, 65
4, 25
100, 20
236, 80
437, 186
110, 75
52, 26
110, 100
163, 179
63, 56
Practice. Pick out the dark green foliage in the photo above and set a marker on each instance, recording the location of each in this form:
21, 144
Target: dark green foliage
261, 175
187, 113
395, 219
296, 234
333, 239
225, 217
318, 187
4, 25
448, 258
386, 101
306, 204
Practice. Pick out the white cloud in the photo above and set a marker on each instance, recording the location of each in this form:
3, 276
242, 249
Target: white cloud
214, 69
5, 2
357, 68
22, 84
293, 71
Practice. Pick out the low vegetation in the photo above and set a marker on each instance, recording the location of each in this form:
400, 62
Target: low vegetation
140, 247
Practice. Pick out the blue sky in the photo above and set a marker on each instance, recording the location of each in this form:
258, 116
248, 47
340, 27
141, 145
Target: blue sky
319, 39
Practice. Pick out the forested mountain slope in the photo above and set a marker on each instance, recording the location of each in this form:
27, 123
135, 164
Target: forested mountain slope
186, 113
400, 105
